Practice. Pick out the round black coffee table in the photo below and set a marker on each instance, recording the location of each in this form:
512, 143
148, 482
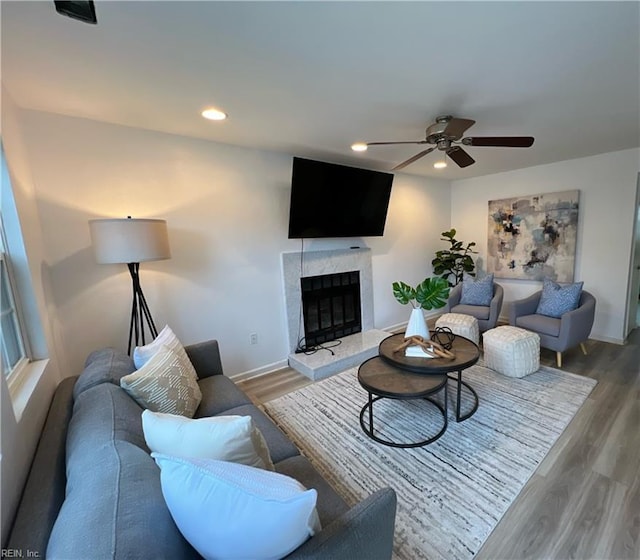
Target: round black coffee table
379, 377
467, 354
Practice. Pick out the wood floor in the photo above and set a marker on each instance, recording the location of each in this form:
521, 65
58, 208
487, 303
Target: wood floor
583, 502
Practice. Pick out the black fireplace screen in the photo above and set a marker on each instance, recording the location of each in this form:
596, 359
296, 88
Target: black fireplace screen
330, 306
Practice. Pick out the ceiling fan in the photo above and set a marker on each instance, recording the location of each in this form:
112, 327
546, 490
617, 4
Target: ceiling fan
446, 133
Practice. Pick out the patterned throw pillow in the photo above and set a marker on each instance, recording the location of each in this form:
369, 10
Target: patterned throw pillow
164, 384
557, 300
142, 354
477, 292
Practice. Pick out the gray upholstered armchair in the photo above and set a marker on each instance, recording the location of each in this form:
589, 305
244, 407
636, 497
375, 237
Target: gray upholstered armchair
569, 330
487, 316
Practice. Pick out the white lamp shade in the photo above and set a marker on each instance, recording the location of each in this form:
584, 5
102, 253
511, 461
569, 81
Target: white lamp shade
129, 240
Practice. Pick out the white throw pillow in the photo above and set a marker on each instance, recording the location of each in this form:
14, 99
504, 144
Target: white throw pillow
142, 354
225, 438
234, 512
164, 384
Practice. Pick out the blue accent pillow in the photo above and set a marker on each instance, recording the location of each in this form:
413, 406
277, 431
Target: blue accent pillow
557, 300
477, 292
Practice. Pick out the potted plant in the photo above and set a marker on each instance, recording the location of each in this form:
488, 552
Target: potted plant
454, 261
431, 293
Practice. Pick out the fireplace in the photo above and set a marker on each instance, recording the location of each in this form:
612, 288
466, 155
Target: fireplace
296, 266
330, 306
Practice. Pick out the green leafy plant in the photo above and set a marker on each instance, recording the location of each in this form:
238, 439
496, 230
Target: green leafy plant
431, 293
454, 261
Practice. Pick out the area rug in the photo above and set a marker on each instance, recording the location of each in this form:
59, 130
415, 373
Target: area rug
452, 493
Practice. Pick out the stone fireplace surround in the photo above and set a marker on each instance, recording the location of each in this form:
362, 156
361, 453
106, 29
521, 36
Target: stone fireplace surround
354, 348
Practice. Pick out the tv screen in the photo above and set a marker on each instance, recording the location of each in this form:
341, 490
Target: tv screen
331, 200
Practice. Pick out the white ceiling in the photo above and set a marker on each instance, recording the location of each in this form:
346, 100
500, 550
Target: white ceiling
311, 78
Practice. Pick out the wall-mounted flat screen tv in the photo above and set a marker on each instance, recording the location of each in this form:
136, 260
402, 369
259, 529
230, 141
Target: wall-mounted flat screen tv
331, 200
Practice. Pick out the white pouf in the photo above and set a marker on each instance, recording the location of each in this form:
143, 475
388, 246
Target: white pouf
512, 351
462, 325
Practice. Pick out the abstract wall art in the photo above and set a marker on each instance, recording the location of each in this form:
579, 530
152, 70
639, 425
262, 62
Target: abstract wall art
532, 237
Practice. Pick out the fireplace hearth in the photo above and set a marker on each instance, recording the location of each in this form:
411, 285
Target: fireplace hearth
330, 306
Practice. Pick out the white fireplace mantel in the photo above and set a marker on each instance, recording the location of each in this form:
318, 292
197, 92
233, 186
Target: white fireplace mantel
315, 263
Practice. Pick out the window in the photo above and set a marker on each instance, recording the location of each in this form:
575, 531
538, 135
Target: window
14, 356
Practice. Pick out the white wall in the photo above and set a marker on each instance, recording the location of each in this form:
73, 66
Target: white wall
227, 212
607, 185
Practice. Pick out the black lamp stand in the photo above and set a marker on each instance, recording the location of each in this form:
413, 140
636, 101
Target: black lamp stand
139, 311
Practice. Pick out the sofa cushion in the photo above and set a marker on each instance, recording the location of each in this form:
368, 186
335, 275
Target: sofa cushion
103, 366
477, 291
165, 384
329, 504
540, 324
219, 394
477, 311
280, 447
557, 300
231, 511
113, 498
225, 438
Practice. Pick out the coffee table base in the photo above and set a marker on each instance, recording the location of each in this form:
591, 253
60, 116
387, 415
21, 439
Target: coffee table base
458, 379
369, 430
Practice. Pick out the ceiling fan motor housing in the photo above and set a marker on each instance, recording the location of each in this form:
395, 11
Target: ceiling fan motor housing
435, 132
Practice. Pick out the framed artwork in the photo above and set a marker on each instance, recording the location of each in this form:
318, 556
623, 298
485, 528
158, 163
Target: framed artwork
534, 236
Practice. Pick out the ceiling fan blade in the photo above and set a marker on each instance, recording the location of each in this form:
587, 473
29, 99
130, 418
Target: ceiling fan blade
462, 158
499, 141
412, 159
456, 127
388, 143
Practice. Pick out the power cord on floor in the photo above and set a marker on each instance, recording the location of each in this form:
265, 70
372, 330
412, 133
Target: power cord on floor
309, 350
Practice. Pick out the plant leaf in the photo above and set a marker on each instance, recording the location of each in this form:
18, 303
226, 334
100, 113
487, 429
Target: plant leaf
403, 292
432, 293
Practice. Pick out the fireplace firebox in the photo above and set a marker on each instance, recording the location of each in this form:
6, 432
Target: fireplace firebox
330, 306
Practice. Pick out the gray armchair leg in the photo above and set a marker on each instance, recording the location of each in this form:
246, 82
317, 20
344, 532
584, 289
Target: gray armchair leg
559, 359
584, 348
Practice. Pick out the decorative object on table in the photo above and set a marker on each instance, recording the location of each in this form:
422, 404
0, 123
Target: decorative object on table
533, 236
131, 241
453, 262
431, 293
460, 324
443, 336
556, 333
429, 346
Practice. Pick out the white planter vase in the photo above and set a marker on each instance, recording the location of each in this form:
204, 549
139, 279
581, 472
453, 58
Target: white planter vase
417, 326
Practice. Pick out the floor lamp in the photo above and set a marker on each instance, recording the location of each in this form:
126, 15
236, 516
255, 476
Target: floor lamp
132, 241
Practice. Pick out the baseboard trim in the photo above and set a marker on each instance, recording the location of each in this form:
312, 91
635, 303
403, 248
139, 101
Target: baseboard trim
258, 372
618, 341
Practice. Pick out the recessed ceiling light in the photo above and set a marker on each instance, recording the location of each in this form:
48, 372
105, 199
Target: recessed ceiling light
214, 115
440, 164
359, 147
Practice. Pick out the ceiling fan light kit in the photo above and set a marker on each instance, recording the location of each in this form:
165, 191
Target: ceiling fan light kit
446, 136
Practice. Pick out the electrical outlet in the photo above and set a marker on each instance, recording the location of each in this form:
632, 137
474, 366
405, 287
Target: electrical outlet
253, 338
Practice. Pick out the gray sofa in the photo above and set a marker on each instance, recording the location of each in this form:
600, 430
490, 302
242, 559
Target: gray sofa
93, 491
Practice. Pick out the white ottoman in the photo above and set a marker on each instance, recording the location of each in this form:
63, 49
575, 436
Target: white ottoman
511, 351
463, 325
